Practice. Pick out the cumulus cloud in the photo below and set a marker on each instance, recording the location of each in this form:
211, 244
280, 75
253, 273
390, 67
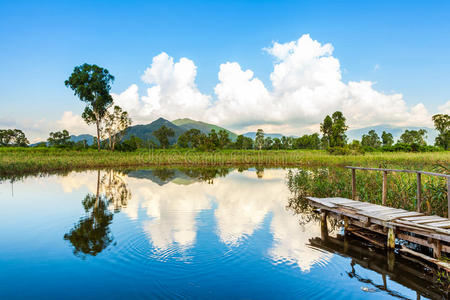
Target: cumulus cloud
306, 85
445, 109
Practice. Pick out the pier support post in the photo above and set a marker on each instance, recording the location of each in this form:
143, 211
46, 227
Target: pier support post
354, 184
391, 238
324, 225
419, 191
383, 198
448, 197
437, 248
391, 260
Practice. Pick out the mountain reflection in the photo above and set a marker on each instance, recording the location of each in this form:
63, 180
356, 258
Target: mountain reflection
167, 203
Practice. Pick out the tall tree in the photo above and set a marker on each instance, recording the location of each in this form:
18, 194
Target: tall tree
414, 137
13, 137
259, 139
326, 129
92, 84
115, 125
338, 130
224, 139
163, 134
371, 139
442, 125
387, 138
59, 138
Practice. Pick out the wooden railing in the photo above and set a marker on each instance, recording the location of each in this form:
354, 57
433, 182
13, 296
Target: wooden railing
384, 190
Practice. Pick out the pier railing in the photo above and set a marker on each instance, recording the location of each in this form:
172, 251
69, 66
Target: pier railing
384, 189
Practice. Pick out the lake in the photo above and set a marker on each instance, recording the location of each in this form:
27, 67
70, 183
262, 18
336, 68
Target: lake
184, 233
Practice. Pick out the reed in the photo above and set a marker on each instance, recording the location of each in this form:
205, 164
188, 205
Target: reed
32, 160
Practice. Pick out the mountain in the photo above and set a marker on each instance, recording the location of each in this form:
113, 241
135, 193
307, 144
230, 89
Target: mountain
187, 124
78, 138
145, 132
74, 138
252, 135
356, 134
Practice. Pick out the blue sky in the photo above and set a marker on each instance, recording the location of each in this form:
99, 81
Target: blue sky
403, 47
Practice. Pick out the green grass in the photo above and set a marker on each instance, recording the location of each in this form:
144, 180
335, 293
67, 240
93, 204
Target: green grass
15, 161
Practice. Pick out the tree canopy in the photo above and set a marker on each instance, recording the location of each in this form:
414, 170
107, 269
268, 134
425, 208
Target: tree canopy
442, 125
92, 84
163, 134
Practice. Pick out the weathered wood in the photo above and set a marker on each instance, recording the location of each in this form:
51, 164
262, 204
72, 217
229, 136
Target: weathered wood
399, 171
448, 197
444, 224
421, 218
353, 184
391, 238
419, 192
441, 264
384, 195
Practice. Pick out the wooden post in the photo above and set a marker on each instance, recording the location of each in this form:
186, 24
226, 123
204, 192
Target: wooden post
448, 197
391, 238
437, 248
353, 184
419, 191
383, 198
324, 225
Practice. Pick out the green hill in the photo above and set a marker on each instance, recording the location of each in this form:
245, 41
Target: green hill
145, 132
187, 124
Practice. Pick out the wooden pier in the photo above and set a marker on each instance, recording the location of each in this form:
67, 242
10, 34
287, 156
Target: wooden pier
387, 222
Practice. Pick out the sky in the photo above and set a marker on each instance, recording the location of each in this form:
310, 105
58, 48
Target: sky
277, 65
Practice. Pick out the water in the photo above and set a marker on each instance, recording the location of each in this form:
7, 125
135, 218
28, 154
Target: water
192, 233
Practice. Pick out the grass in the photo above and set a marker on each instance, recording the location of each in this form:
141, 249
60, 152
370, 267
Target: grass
15, 161
401, 188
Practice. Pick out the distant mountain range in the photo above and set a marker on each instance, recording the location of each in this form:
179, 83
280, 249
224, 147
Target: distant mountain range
252, 135
179, 126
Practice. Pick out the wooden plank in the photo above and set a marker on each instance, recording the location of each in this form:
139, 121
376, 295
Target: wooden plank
358, 205
376, 209
412, 219
321, 201
398, 215
428, 219
421, 226
339, 200
442, 224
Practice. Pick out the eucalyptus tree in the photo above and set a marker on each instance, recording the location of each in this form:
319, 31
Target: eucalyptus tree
92, 84
115, 124
259, 139
13, 137
442, 125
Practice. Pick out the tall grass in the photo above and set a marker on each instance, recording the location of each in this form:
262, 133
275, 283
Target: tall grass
31, 160
401, 189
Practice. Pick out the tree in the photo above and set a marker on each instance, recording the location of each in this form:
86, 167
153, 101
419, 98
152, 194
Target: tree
92, 84
326, 129
371, 139
333, 130
338, 137
163, 134
213, 140
116, 123
277, 144
414, 137
268, 143
190, 138
387, 139
442, 125
243, 142
224, 139
259, 139
59, 138
13, 137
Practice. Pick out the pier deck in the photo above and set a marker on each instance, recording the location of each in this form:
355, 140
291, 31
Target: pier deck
414, 227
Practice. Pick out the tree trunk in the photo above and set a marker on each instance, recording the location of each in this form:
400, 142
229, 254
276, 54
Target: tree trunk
98, 132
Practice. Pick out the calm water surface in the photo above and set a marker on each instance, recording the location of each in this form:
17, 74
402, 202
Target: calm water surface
170, 233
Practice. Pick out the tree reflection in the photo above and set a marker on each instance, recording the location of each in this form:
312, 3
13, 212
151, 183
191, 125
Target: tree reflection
91, 235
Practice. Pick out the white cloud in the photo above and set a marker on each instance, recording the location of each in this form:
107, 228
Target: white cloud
306, 85
445, 109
